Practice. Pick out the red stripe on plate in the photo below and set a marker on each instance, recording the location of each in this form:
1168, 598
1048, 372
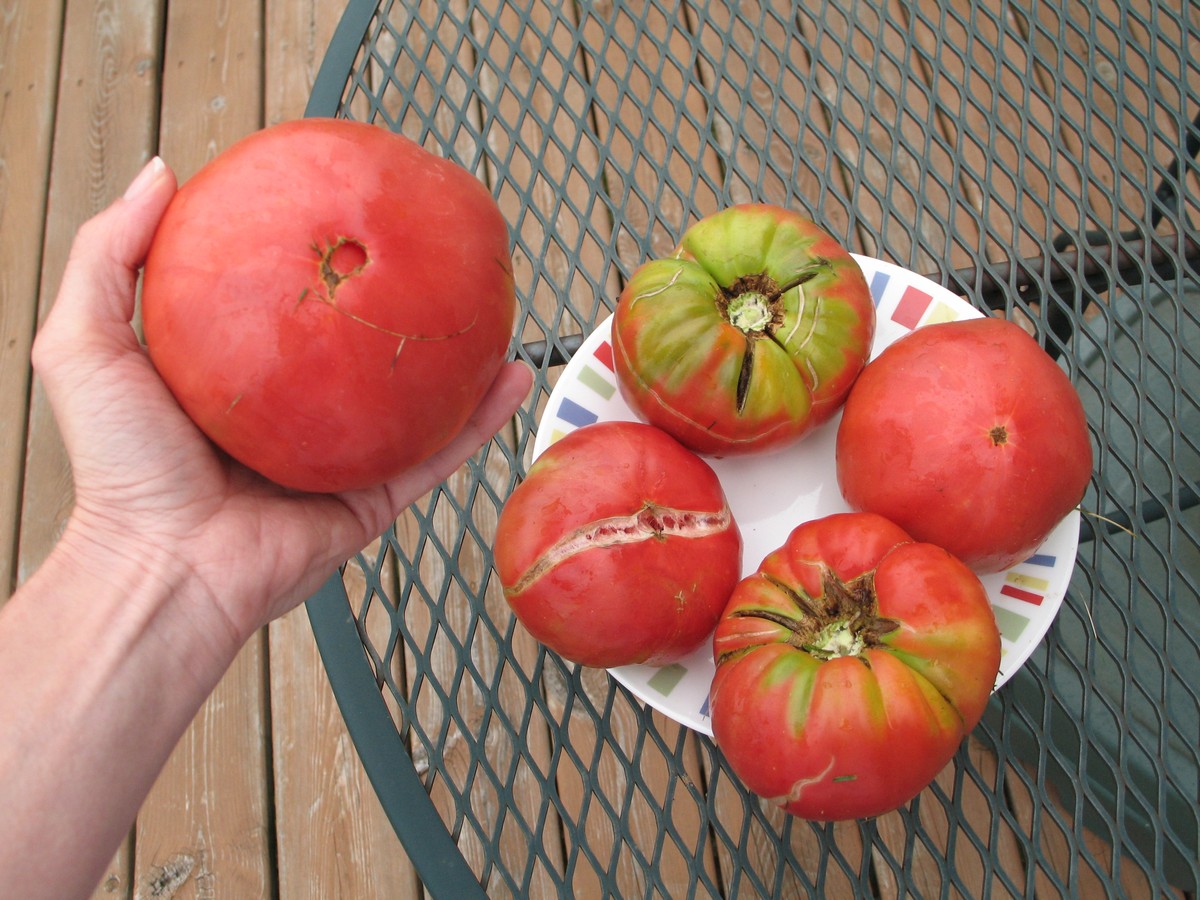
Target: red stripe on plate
1028, 596
912, 305
604, 354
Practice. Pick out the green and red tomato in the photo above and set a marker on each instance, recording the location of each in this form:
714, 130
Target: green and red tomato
748, 336
849, 668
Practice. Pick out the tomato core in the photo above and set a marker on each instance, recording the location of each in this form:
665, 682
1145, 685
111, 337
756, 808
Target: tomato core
836, 640
999, 435
751, 312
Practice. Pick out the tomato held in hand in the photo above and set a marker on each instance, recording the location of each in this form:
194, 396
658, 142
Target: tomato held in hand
748, 337
619, 547
967, 435
850, 667
329, 302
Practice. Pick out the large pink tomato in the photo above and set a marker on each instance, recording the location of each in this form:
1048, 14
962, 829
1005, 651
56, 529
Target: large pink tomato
850, 667
619, 547
967, 435
748, 336
329, 302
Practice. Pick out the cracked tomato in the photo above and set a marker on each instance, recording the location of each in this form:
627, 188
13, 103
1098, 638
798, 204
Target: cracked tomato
748, 336
329, 302
850, 667
619, 547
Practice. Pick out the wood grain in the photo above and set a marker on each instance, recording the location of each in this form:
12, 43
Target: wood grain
103, 116
29, 48
209, 812
81, 103
770, 128
660, 172
103, 134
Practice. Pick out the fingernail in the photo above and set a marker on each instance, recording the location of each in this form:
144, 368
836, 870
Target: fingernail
145, 178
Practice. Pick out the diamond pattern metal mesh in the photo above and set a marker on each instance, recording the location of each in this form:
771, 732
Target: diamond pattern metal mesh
1039, 158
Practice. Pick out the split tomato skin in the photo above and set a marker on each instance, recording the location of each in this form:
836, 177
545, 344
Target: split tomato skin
841, 723
748, 336
619, 547
967, 435
329, 302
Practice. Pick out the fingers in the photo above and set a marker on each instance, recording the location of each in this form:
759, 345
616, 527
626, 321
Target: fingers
499, 405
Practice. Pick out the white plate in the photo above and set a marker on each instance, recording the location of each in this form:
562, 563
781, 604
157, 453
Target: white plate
1025, 598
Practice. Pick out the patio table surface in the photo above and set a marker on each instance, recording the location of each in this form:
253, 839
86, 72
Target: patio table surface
1036, 158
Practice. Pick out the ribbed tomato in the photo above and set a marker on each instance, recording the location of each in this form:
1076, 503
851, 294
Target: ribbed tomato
850, 667
748, 336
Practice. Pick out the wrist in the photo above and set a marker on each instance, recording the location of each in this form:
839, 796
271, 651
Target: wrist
135, 590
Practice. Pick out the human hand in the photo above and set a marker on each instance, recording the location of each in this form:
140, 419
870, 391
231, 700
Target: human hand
150, 488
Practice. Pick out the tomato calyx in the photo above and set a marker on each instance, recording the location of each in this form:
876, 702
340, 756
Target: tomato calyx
843, 620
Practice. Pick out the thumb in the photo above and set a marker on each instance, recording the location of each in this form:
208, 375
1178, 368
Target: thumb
97, 293
89, 328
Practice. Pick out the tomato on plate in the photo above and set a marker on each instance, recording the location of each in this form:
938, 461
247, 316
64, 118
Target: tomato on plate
619, 547
748, 336
850, 667
967, 435
329, 302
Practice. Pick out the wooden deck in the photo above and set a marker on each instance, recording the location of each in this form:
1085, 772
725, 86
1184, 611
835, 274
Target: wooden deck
265, 795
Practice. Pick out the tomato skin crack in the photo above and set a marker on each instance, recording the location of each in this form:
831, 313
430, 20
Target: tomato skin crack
651, 522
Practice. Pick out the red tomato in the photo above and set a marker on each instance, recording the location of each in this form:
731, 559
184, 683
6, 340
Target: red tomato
619, 547
329, 302
967, 435
748, 337
849, 668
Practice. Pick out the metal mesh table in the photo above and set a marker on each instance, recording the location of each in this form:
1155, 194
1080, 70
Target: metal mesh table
1036, 157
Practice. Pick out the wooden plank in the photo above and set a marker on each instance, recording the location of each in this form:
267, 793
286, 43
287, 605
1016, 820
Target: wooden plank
430, 100
660, 168
332, 838
29, 62
1120, 116
102, 130
205, 828
1002, 131
534, 78
966, 833
423, 111
103, 135
1118, 119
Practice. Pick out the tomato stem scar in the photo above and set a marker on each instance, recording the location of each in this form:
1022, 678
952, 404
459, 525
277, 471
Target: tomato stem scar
343, 259
843, 620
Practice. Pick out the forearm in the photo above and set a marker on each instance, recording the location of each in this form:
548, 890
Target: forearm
104, 660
